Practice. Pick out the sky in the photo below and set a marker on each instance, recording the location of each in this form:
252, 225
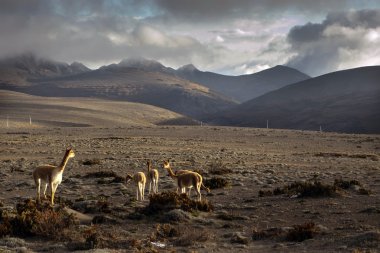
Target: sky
231, 37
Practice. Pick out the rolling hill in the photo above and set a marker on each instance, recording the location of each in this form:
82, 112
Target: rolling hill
78, 112
344, 101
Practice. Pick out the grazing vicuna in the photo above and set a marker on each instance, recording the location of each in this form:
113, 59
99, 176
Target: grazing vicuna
187, 179
51, 175
152, 177
140, 180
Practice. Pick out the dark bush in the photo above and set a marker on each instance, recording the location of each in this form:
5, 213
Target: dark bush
345, 184
91, 162
101, 174
311, 188
302, 232
166, 201
40, 220
217, 167
216, 183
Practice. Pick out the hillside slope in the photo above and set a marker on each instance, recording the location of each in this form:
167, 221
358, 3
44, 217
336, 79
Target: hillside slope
343, 101
77, 112
244, 87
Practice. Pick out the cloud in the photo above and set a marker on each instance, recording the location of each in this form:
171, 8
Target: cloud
231, 36
343, 40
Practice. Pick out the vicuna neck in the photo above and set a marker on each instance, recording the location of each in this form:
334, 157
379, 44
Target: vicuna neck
64, 161
169, 169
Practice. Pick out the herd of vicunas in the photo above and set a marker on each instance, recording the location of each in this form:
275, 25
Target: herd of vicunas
186, 179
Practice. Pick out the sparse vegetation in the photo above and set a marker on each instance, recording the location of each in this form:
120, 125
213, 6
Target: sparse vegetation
41, 220
343, 184
166, 201
312, 188
302, 232
216, 183
217, 167
297, 233
90, 162
105, 174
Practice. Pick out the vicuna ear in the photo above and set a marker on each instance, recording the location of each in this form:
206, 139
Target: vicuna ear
68, 148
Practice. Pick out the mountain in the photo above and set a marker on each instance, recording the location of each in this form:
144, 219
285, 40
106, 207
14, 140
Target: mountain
20, 69
244, 87
344, 101
124, 82
145, 64
79, 112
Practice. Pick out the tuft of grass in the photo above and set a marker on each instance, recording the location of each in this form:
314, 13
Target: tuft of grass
101, 174
343, 184
297, 233
217, 167
313, 188
90, 162
36, 220
216, 183
167, 200
302, 232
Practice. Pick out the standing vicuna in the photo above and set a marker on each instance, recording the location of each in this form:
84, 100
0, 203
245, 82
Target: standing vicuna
51, 175
152, 177
187, 179
140, 180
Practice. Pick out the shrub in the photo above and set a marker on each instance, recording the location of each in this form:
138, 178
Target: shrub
91, 162
217, 167
302, 232
345, 184
216, 182
101, 174
31, 219
311, 188
166, 201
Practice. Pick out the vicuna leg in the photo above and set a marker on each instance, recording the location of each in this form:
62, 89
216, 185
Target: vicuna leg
46, 185
52, 193
38, 187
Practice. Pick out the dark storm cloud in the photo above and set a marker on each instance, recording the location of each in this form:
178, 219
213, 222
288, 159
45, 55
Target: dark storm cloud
342, 39
212, 34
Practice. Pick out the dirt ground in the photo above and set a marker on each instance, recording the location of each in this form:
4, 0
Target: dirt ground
242, 221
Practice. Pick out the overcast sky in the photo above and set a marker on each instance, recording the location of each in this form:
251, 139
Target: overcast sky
225, 36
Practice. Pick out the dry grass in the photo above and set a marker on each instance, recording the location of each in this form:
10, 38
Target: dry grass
302, 232
34, 220
216, 183
312, 188
166, 201
218, 167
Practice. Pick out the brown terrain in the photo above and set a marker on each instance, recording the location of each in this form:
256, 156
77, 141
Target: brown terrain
243, 212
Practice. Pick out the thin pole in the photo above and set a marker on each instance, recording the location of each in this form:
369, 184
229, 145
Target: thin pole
320, 129
7, 121
267, 124
30, 120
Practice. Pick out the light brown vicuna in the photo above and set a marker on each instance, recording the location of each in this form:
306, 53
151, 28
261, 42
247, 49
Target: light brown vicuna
140, 180
187, 179
152, 177
51, 175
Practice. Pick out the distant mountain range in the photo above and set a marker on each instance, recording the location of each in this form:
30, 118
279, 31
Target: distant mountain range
239, 88
244, 87
343, 101
117, 82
